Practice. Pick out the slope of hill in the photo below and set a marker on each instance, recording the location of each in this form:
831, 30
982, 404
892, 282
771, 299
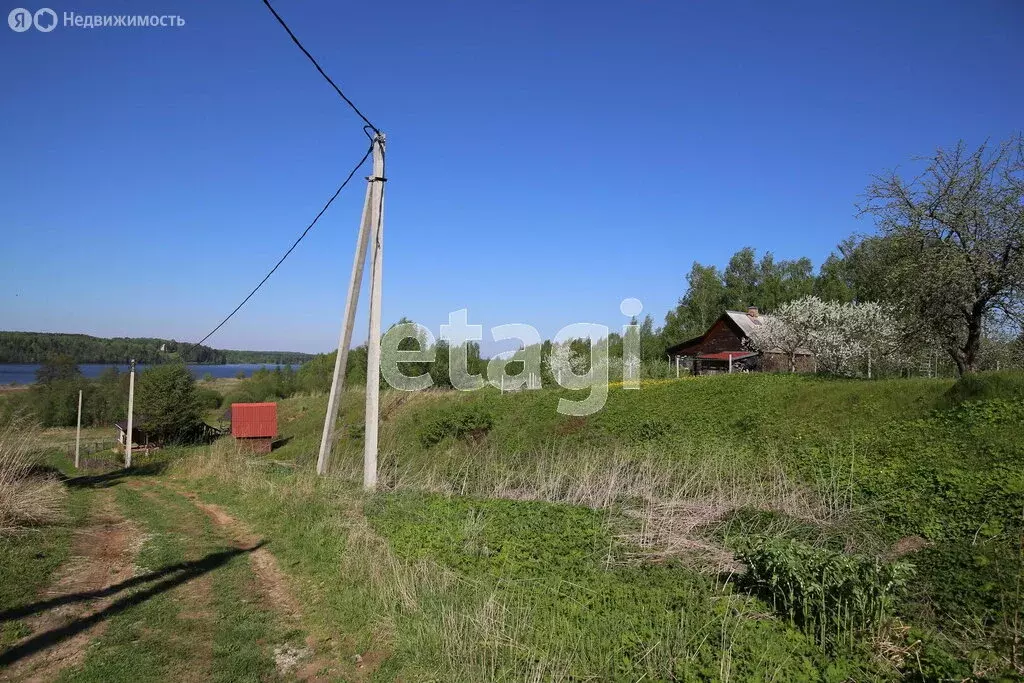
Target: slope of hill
772, 528
805, 478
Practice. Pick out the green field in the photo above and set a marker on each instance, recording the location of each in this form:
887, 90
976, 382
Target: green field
754, 527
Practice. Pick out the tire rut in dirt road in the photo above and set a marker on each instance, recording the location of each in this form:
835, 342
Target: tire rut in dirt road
68, 615
309, 665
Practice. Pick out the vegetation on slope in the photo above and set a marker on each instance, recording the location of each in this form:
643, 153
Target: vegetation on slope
744, 527
695, 471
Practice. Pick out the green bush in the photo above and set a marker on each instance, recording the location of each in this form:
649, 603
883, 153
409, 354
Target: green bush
167, 401
461, 422
830, 595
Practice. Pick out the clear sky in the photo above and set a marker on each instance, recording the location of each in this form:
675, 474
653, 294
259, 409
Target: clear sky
545, 159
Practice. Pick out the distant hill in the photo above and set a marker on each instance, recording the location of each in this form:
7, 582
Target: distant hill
35, 347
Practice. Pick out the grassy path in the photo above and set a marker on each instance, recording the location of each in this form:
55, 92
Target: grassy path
159, 586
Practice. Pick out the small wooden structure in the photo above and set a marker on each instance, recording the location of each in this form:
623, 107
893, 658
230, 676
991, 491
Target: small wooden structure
141, 438
254, 426
725, 347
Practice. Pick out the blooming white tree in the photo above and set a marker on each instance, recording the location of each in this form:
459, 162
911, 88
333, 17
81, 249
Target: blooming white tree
877, 331
790, 329
834, 332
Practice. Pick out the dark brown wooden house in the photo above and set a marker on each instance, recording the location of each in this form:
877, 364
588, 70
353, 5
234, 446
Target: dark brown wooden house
725, 347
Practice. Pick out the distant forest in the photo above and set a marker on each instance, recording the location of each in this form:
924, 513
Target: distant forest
36, 347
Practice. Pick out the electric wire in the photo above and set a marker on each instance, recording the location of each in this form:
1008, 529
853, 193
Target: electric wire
287, 253
318, 67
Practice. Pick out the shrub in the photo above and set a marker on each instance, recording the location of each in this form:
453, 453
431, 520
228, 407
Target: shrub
830, 595
466, 421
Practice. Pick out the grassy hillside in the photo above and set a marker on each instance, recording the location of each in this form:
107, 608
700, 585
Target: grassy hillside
684, 477
751, 527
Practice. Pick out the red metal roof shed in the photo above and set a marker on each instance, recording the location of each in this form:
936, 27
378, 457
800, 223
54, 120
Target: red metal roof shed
250, 420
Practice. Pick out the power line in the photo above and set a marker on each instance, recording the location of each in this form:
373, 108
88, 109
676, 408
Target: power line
318, 67
290, 250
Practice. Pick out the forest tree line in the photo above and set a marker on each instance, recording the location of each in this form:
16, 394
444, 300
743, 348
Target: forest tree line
37, 347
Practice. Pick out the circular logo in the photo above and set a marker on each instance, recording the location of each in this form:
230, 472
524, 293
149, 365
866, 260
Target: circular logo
20, 19
45, 20
631, 307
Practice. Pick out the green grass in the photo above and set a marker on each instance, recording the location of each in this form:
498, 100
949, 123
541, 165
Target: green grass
583, 618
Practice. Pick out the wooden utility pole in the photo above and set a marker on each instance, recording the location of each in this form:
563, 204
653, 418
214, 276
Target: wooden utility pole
370, 226
131, 408
78, 431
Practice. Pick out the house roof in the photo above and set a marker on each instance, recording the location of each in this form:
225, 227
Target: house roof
746, 323
742, 321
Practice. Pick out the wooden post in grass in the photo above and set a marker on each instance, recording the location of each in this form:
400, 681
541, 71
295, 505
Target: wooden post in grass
131, 408
78, 430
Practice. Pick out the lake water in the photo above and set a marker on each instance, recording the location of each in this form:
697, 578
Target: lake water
25, 373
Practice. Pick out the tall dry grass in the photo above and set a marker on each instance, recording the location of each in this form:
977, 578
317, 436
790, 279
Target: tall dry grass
26, 498
676, 500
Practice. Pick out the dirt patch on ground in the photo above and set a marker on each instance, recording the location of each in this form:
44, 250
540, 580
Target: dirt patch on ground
102, 556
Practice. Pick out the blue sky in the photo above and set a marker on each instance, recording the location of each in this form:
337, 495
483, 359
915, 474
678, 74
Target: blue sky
545, 159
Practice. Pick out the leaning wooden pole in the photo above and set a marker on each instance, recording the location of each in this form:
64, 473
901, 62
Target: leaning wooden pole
373, 340
345, 338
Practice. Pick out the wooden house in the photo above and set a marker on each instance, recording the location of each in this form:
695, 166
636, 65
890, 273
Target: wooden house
725, 347
254, 426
